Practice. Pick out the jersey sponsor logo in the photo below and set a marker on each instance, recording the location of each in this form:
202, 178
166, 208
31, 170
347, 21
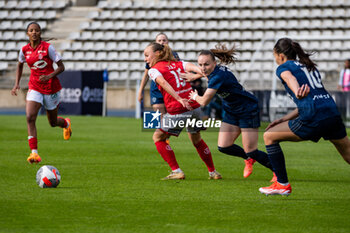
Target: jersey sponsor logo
316, 97
151, 120
39, 64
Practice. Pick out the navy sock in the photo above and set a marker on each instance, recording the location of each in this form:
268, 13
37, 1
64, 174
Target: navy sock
276, 157
261, 157
233, 150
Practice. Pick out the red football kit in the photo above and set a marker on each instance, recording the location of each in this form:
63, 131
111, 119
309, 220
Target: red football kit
171, 73
40, 61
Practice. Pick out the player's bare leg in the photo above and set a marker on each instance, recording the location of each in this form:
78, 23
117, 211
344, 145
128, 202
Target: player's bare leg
32, 110
343, 147
54, 121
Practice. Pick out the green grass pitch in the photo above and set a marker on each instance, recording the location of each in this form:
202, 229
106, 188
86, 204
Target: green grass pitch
111, 175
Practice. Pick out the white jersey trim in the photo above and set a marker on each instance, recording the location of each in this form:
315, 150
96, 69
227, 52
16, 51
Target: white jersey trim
184, 65
53, 54
154, 74
21, 57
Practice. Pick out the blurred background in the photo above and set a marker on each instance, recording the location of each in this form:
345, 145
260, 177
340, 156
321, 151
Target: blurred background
110, 35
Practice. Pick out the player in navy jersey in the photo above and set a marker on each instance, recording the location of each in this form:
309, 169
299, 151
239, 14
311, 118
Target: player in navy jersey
157, 100
316, 114
241, 107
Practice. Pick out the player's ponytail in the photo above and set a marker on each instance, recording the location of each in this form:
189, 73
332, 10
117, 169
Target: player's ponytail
164, 53
225, 55
292, 50
304, 58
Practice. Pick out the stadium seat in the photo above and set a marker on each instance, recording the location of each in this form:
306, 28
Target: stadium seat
120, 30
3, 14
10, 45
95, 25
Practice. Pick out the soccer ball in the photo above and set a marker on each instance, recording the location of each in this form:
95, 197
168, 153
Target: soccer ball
48, 177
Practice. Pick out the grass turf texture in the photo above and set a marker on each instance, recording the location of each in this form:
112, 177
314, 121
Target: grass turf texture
111, 175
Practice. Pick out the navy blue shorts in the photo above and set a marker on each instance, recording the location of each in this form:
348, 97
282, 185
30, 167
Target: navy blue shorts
328, 129
247, 120
156, 95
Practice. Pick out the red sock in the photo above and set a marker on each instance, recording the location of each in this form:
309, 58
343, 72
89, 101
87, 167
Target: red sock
33, 143
204, 153
65, 122
167, 154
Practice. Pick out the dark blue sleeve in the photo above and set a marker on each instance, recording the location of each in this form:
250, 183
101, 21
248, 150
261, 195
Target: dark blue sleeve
281, 69
147, 66
176, 56
216, 82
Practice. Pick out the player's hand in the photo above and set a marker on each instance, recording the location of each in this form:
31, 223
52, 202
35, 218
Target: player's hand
44, 78
140, 96
303, 91
189, 77
193, 95
274, 123
185, 104
14, 90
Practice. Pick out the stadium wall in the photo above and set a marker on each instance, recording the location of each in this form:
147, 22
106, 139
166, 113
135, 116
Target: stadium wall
117, 98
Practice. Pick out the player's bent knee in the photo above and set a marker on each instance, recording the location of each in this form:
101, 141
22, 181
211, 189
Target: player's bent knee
267, 138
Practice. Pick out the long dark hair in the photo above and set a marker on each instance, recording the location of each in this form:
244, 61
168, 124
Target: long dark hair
225, 55
292, 50
165, 53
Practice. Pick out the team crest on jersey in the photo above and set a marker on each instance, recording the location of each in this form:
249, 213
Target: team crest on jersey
40, 56
39, 64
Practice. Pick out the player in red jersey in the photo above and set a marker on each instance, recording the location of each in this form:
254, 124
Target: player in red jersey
165, 71
43, 87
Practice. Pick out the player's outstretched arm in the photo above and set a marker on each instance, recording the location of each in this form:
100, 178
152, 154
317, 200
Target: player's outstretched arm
290, 116
188, 76
205, 99
142, 85
19, 72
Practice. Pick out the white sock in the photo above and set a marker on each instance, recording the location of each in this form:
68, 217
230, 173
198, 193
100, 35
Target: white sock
211, 173
177, 170
30, 137
284, 184
35, 151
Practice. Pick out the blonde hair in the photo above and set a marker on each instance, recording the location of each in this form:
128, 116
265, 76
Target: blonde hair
165, 53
